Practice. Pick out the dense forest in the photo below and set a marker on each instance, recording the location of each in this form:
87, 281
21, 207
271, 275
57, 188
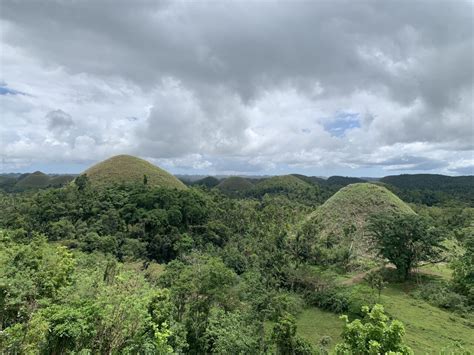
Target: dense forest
238, 266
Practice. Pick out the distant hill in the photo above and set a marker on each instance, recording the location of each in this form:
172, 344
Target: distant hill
432, 189
209, 182
310, 179
343, 180
7, 182
126, 168
289, 186
342, 220
36, 180
235, 185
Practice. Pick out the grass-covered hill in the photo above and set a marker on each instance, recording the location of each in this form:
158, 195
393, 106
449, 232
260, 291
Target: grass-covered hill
208, 181
340, 223
289, 186
126, 169
36, 180
235, 185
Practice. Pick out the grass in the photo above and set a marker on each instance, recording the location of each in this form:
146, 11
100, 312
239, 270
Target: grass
125, 168
428, 329
442, 270
343, 218
314, 323
355, 203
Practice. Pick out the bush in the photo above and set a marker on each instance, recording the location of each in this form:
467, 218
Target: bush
332, 299
440, 295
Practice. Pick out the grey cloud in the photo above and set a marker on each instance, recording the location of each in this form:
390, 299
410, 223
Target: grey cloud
206, 69
231, 43
466, 170
59, 120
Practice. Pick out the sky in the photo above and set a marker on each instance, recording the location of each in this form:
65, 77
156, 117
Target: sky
356, 87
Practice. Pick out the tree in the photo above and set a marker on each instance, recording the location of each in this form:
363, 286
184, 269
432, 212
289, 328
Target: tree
405, 240
374, 334
463, 270
82, 181
376, 281
231, 333
286, 340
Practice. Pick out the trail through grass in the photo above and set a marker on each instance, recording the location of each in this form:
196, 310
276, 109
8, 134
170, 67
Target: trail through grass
428, 328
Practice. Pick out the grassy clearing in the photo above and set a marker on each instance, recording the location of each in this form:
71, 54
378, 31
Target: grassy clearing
428, 328
441, 270
314, 323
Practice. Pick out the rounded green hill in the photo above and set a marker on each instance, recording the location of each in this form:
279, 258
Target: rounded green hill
122, 169
282, 183
235, 185
36, 180
342, 220
287, 185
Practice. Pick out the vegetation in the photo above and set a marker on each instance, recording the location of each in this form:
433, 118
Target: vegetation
337, 231
209, 182
289, 186
235, 186
33, 181
405, 240
431, 189
374, 334
129, 266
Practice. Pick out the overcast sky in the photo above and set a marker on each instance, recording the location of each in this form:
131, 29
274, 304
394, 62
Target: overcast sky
361, 88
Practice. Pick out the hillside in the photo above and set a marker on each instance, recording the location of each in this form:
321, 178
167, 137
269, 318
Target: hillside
432, 189
60, 180
343, 180
343, 218
125, 169
289, 186
36, 180
209, 182
234, 185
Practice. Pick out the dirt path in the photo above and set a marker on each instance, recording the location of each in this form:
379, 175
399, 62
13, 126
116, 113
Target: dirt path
359, 277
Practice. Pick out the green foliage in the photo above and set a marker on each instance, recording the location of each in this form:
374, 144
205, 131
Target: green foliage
405, 240
432, 189
440, 294
231, 333
463, 270
376, 281
78, 270
54, 302
287, 341
374, 334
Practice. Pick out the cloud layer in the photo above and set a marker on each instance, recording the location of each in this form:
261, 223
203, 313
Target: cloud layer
359, 88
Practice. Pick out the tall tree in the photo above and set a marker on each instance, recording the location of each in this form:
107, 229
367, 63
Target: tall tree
405, 240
